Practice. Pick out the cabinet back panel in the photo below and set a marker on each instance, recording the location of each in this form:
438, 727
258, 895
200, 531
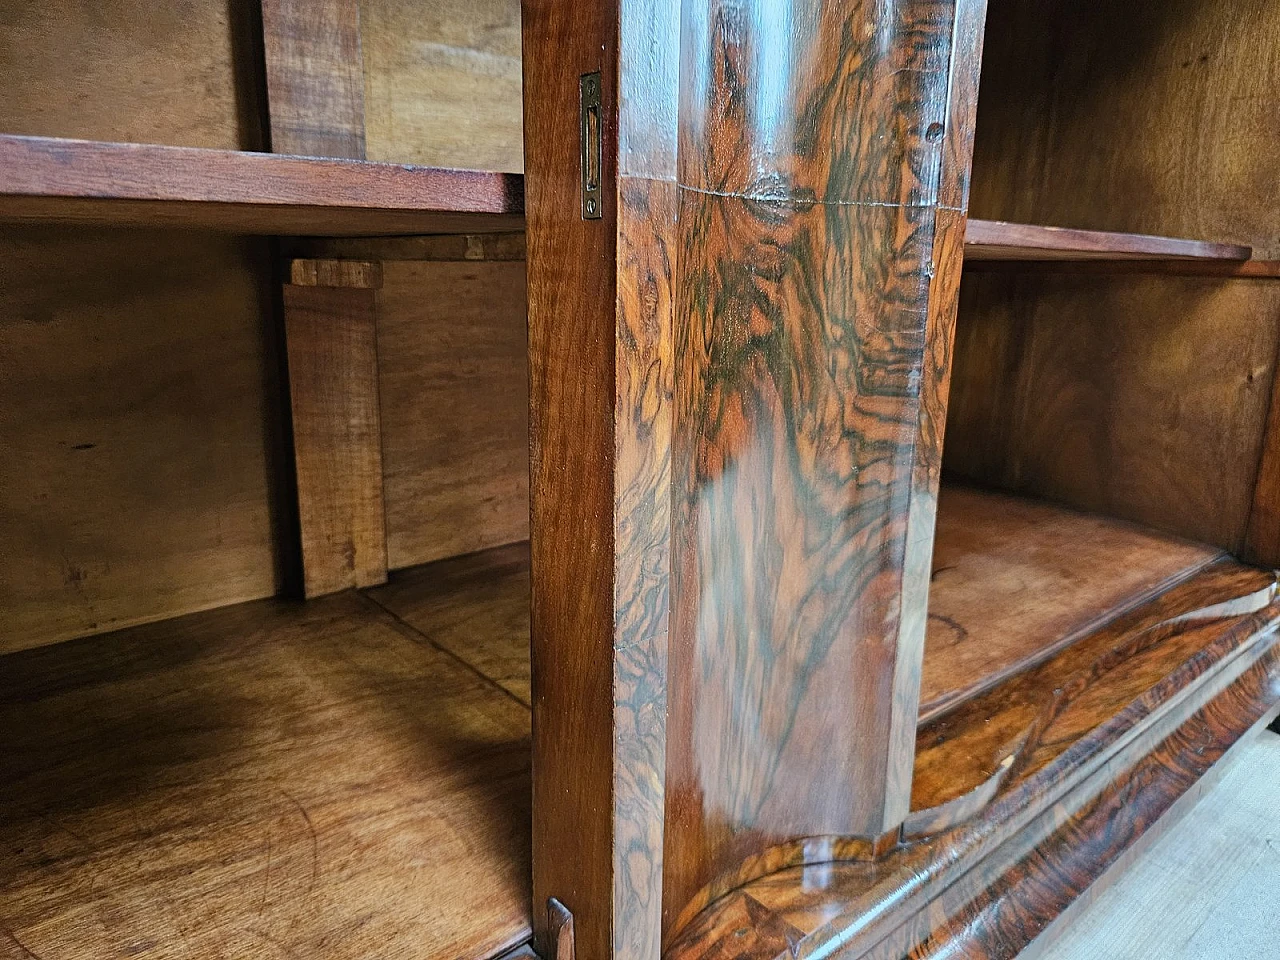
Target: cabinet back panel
134, 419
1139, 397
181, 72
1150, 116
454, 382
442, 82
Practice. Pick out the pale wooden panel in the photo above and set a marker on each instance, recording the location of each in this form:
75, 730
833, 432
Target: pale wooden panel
157, 71
443, 83
315, 77
134, 424
332, 339
453, 358
1137, 397
1149, 116
270, 780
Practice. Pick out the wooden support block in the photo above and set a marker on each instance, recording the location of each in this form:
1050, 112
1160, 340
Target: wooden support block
315, 77
331, 332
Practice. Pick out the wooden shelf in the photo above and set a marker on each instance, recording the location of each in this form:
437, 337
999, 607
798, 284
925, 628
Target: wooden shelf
995, 240
85, 182
1016, 580
273, 779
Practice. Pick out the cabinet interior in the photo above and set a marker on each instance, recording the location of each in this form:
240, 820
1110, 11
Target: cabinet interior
195, 762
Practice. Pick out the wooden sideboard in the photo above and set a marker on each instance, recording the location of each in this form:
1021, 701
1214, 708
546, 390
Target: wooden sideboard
864, 549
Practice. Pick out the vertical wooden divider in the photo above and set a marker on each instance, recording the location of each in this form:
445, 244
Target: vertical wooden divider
315, 89
739, 380
332, 344
315, 77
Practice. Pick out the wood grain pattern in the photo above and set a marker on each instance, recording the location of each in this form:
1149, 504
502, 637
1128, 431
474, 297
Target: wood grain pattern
442, 82
821, 222
1262, 541
137, 404
475, 607
1168, 699
1142, 398
441, 247
332, 340
269, 779
1016, 580
76, 181
600, 301
453, 379
315, 77
997, 240
1162, 127
180, 72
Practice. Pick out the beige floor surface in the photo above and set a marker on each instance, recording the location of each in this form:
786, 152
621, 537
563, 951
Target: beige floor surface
1207, 890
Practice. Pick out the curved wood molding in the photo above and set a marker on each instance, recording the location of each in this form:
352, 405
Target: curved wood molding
1124, 725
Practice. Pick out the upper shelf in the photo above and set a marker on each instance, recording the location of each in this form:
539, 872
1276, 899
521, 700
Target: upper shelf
86, 182
51, 180
996, 240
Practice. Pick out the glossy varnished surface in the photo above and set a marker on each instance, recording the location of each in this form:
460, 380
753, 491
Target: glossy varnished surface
1130, 719
1015, 580
820, 228
271, 779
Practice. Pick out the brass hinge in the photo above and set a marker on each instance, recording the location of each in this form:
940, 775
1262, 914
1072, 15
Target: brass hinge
592, 148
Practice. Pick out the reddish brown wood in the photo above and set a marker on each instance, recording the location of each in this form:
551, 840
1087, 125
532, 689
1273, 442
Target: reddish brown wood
997, 240
823, 162
1149, 704
81, 181
315, 77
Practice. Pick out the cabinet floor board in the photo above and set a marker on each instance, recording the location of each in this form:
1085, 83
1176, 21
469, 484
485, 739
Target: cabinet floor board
1015, 580
267, 779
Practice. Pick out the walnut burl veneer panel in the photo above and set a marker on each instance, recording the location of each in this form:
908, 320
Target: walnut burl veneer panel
270, 779
1033, 791
822, 173
1016, 580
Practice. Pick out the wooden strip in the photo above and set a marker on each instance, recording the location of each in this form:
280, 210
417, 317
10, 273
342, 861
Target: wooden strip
452, 247
315, 77
997, 240
358, 274
81, 181
331, 335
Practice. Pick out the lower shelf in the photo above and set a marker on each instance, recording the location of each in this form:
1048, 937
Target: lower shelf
271, 779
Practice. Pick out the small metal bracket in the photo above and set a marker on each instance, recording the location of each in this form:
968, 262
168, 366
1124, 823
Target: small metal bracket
592, 144
560, 924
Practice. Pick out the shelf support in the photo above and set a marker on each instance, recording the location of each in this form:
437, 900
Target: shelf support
739, 382
330, 313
